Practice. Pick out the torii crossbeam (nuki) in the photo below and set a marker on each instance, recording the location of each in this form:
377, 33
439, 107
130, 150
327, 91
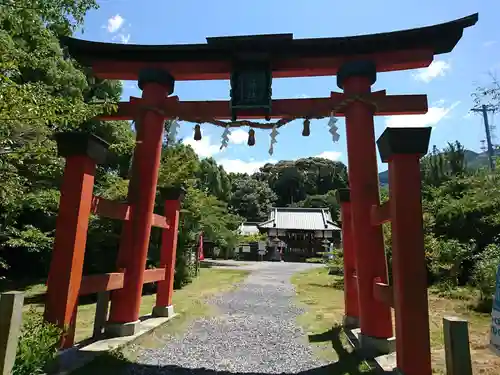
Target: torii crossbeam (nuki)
200, 111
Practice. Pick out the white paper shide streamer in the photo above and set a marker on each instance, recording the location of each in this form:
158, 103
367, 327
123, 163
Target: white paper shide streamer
173, 129
274, 133
225, 137
332, 123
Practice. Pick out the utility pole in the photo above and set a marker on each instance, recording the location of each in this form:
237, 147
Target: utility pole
484, 109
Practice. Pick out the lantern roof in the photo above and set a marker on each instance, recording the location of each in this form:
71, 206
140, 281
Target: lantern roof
289, 57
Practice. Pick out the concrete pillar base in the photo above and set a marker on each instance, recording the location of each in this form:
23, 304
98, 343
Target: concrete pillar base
375, 345
350, 322
122, 329
163, 311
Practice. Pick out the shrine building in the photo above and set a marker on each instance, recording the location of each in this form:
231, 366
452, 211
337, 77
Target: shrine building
304, 231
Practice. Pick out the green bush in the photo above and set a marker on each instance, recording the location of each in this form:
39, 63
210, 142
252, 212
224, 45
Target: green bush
336, 265
38, 344
447, 289
185, 268
484, 275
446, 258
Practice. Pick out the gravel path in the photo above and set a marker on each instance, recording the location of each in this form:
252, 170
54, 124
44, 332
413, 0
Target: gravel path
255, 332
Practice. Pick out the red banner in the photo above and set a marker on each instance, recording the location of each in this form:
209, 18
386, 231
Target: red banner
200, 248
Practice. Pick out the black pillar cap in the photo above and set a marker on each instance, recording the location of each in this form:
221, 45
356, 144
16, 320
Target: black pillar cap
172, 193
403, 141
357, 68
155, 75
80, 144
343, 195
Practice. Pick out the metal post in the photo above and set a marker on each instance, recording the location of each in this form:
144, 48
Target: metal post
484, 110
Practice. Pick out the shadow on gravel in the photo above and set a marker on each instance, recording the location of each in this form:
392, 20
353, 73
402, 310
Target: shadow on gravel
348, 363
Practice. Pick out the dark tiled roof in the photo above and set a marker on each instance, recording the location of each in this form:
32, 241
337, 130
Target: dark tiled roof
440, 38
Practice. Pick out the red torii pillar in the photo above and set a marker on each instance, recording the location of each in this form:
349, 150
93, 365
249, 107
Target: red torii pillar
402, 149
165, 288
155, 84
82, 153
351, 315
356, 78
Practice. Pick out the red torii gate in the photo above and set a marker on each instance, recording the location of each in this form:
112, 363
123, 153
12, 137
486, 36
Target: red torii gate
355, 61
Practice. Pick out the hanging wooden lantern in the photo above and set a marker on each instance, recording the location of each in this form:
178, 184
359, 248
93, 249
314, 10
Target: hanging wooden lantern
197, 132
251, 137
251, 87
306, 131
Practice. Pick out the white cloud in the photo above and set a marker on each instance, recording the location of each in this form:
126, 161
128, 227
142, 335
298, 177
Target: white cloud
203, 147
331, 155
240, 166
436, 69
431, 118
489, 43
238, 137
122, 38
114, 23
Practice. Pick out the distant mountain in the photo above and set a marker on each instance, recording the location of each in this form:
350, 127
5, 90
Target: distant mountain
473, 160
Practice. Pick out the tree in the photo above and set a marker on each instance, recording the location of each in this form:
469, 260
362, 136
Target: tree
484, 274
455, 157
251, 198
42, 92
179, 166
488, 94
202, 212
293, 181
214, 179
440, 166
328, 200
59, 16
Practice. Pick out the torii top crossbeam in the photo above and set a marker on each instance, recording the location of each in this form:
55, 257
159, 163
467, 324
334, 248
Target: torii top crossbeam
289, 57
252, 61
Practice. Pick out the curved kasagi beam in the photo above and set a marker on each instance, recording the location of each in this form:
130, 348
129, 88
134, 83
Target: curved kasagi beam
398, 50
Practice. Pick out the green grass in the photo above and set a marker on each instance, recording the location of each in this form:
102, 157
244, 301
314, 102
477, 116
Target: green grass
314, 260
324, 301
188, 302
461, 304
323, 298
324, 306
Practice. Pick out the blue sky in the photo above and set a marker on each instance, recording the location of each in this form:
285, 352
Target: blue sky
448, 82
